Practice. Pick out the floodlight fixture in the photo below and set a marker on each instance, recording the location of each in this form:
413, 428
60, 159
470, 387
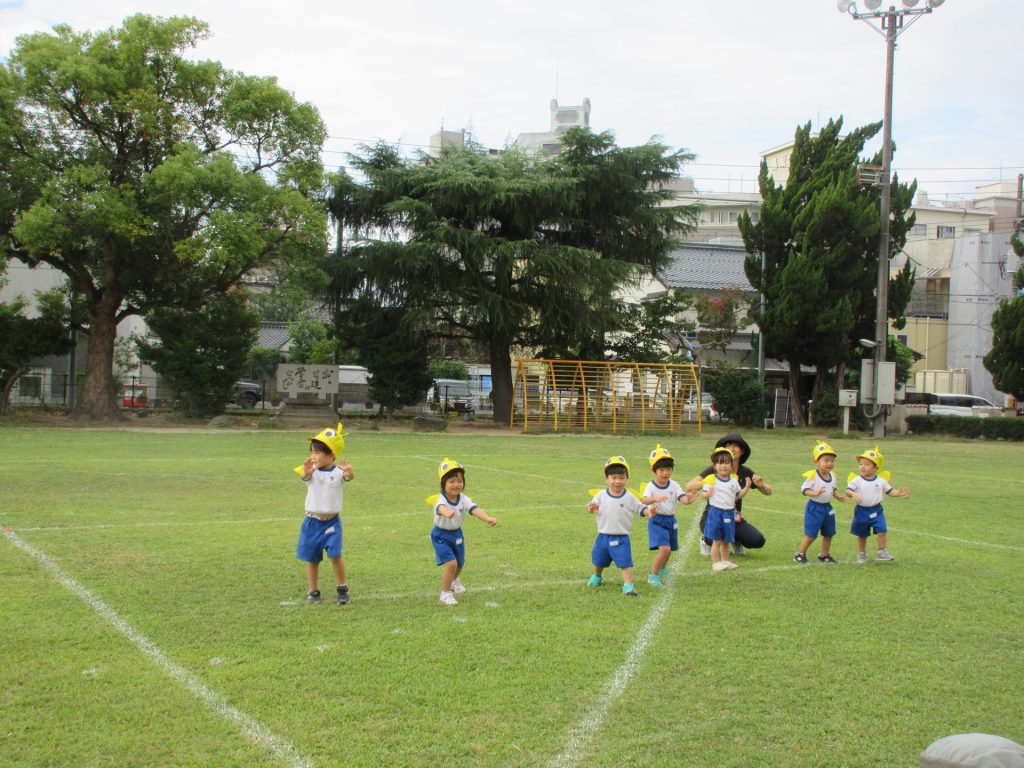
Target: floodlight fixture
872, 5
935, 3
844, 5
910, 3
867, 343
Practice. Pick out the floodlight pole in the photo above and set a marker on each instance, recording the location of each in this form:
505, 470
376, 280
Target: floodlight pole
891, 22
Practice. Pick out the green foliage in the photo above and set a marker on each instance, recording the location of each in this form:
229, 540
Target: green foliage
510, 251
739, 396
719, 316
149, 178
310, 343
1005, 361
818, 236
646, 330
825, 408
991, 428
903, 356
200, 353
261, 363
25, 338
448, 369
394, 352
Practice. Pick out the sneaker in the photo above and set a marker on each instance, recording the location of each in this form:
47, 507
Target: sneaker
738, 549
729, 565
629, 590
313, 598
595, 581
448, 598
654, 580
716, 567
862, 557
705, 548
457, 587
883, 554
343, 596
826, 559
801, 558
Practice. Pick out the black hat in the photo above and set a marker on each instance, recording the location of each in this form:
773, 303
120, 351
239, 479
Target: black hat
735, 437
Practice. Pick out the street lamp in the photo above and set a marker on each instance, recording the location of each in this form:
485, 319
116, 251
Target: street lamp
890, 24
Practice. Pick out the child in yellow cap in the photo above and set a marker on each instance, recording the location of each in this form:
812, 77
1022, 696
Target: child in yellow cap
450, 508
325, 476
662, 526
867, 488
820, 487
723, 492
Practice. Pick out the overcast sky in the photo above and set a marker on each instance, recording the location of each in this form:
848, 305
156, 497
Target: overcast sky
725, 80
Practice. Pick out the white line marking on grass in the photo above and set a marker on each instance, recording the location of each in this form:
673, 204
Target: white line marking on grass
249, 727
587, 728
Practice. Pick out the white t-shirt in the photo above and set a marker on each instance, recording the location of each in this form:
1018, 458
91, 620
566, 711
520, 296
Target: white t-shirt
324, 491
615, 513
825, 497
723, 492
672, 489
461, 506
871, 491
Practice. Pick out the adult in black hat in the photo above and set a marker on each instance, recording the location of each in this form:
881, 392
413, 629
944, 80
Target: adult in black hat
747, 536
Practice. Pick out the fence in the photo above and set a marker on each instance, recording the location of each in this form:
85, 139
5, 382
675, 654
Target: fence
604, 396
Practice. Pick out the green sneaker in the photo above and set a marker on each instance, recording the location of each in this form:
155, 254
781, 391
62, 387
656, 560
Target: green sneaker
629, 590
595, 581
654, 580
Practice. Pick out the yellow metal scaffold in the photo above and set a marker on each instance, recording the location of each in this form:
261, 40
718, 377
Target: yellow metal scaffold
605, 396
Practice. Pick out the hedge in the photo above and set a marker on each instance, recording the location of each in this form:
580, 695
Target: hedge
991, 428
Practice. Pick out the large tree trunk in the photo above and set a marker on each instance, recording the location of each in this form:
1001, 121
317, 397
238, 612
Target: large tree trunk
796, 402
98, 396
8, 385
501, 382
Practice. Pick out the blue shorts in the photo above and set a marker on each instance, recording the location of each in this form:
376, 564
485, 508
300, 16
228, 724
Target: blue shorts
819, 518
721, 525
663, 531
868, 520
448, 546
612, 548
315, 536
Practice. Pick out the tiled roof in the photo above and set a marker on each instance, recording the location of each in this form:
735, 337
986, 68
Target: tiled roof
706, 267
273, 335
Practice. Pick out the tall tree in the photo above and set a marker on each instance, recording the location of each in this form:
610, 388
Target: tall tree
149, 179
818, 238
511, 251
1005, 361
201, 352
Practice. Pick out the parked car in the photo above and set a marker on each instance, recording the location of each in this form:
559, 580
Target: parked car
707, 408
246, 394
451, 395
952, 404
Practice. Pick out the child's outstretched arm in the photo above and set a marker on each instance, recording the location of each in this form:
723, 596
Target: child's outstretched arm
308, 466
445, 511
900, 492
481, 515
347, 473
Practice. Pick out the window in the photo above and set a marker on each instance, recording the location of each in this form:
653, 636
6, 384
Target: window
30, 386
919, 231
755, 216
945, 232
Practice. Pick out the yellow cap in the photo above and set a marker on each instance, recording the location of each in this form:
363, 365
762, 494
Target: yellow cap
617, 460
724, 450
874, 455
657, 455
822, 449
448, 465
332, 438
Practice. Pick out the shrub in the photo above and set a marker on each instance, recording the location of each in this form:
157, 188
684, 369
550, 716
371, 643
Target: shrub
992, 428
739, 396
825, 409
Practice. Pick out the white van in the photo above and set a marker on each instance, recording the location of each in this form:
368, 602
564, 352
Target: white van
452, 395
952, 404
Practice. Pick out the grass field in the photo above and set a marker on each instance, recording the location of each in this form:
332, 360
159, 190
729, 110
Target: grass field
153, 613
